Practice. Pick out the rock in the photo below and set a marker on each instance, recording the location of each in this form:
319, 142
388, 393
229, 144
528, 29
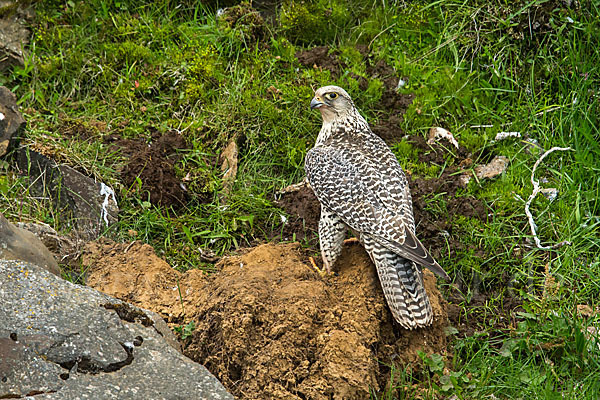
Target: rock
59, 340
550, 193
11, 120
91, 206
19, 244
505, 135
437, 134
490, 170
494, 168
45, 233
14, 35
585, 310
62, 247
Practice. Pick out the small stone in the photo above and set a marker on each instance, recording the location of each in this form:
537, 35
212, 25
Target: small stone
494, 168
20, 244
436, 134
550, 193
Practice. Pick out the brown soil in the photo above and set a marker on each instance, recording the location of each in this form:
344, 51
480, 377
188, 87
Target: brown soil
304, 211
81, 129
154, 164
268, 326
320, 57
432, 228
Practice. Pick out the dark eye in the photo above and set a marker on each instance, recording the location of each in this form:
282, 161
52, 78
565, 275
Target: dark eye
332, 96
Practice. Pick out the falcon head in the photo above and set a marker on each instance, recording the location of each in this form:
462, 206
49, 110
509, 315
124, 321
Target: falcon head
332, 101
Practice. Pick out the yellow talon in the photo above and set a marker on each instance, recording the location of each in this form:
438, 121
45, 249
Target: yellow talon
321, 272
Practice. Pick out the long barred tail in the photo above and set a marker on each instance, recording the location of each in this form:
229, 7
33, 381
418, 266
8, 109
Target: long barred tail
402, 285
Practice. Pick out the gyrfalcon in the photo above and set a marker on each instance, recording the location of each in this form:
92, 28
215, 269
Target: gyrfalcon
361, 186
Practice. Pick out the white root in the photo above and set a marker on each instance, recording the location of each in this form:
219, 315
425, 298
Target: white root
536, 190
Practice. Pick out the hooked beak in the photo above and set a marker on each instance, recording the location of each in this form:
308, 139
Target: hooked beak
316, 103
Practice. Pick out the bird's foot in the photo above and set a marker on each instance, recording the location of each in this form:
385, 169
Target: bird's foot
322, 272
352, 240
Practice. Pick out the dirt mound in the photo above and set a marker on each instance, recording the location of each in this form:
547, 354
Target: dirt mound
154, 164
268, 326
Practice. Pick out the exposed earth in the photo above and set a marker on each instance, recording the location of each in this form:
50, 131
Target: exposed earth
268, 326
154, 165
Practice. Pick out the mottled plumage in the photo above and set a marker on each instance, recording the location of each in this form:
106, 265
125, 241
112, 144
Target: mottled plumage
361, 186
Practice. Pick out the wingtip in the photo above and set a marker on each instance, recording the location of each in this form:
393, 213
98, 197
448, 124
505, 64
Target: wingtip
439, 271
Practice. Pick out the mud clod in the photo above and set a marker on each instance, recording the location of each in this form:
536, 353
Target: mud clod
304, 212
321, 57
154, 164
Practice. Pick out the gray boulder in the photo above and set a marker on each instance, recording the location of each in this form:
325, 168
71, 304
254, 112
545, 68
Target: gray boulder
89, 205
59, 340
14, 35
20, 244
48, 235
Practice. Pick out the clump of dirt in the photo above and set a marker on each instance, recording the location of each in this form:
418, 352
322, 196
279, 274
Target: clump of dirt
438, 234
388, 126
304, 211
392, 103
322, 58
154, 164
268, 326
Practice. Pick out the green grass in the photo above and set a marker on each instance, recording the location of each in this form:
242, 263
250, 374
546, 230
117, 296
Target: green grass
94, 65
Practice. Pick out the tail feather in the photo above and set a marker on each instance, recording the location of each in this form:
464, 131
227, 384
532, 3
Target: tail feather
402, 285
